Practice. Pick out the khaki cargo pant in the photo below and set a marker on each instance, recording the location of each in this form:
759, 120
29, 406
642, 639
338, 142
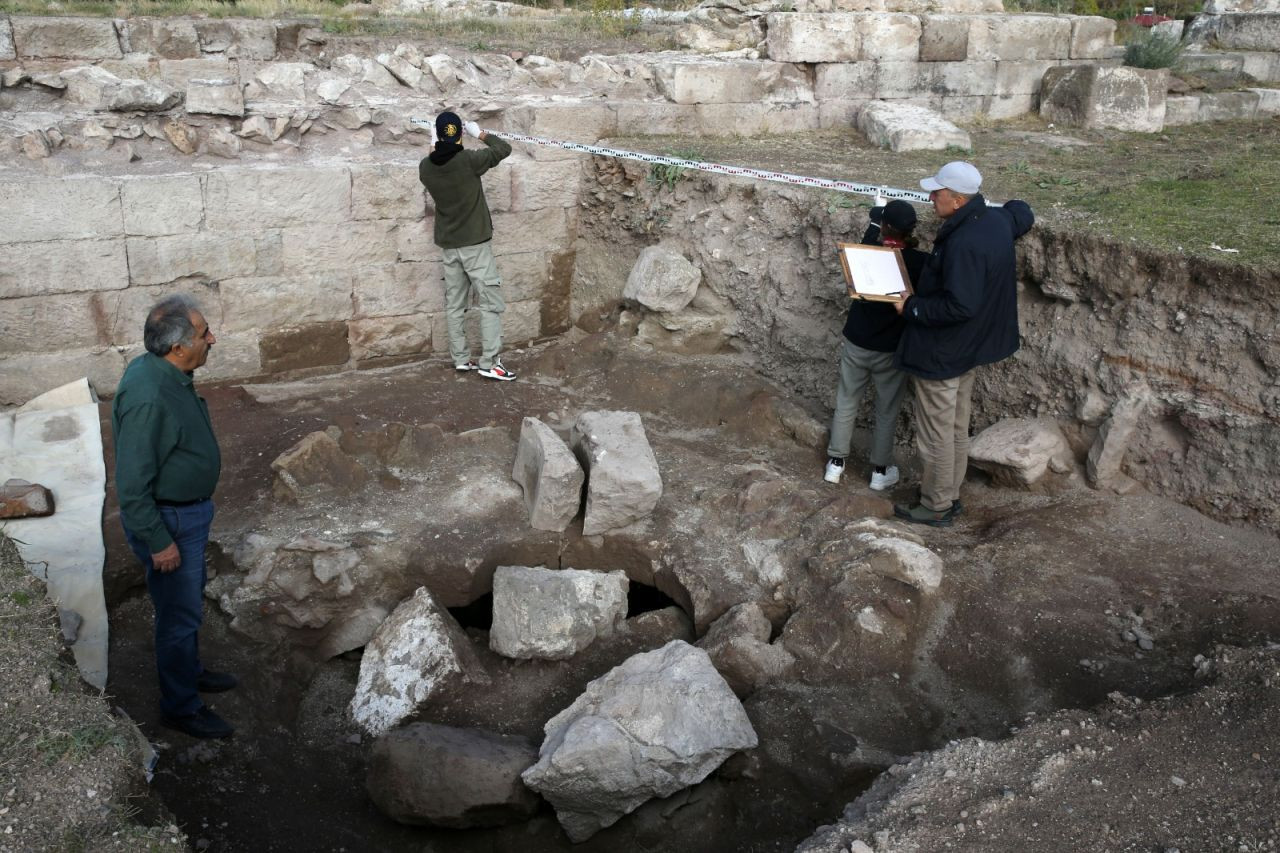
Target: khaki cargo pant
471, 269
942, 411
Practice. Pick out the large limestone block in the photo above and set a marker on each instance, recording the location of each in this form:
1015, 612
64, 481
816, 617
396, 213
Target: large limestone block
944, 38
798, 37
205, 256
548, 229
418, 655
1228, 106
62, 266
42, 323
429, 775
272, 302
7, 50
237, 38
846, 81
536, 184
662, 279
662, 118
1181, 110
659, 722
572, 120
160, 205
1091, 96
889, 37
554, 614
387, 191
733, 82
550, 476
1020, 77
902, 127
28, 375
1019, 37
325, 247
388, 337
161, 37
1092, 37
220, 96
398, 289
141, 96
1019, 451
756, 119
90, 86
1248, 31
65, 38
739, 648
623, 483
1268, 101
273, 198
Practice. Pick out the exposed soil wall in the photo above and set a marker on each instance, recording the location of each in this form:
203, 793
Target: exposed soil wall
1102, 322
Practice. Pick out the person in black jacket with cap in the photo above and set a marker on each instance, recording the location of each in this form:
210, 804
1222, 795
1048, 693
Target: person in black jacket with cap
871, 334
964, 314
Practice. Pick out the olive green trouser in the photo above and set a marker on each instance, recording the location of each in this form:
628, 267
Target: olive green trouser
942, 410
859, 368
471, 269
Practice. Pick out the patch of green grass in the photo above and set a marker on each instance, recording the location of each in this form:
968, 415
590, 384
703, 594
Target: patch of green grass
668, 175
79, 743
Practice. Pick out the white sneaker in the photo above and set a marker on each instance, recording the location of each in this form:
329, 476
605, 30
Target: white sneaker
880, 482
835, 467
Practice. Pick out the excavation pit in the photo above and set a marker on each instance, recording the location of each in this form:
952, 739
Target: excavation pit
1036, 595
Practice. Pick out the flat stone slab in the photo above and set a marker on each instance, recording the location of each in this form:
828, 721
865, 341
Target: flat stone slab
1019, 451
907, 127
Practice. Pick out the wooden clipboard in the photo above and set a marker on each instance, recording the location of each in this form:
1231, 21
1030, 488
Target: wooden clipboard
875, 273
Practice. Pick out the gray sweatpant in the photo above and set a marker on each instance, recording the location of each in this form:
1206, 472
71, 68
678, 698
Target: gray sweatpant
858, 368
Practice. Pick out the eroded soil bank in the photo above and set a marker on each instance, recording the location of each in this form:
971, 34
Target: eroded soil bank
1037, 595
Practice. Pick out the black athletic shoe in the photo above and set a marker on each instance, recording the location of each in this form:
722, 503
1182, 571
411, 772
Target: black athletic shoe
202, 724
921, 514
215, 682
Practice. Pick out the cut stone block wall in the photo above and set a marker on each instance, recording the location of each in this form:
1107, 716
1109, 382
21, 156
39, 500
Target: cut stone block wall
313, 267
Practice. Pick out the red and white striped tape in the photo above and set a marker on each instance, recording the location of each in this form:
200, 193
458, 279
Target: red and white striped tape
715, 168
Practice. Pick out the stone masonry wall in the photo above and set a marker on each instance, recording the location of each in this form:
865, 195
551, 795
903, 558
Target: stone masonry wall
320, 266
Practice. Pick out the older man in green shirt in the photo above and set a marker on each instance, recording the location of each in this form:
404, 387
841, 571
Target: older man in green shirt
167, 466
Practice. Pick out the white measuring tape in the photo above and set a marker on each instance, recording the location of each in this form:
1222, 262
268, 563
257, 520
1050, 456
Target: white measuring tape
715, 168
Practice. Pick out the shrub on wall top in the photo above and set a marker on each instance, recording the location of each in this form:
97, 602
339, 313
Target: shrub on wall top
1153, 50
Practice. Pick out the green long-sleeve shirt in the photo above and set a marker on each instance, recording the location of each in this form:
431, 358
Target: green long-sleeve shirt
165, 447
462, 214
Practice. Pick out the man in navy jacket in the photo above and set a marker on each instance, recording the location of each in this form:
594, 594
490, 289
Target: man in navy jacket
964, 314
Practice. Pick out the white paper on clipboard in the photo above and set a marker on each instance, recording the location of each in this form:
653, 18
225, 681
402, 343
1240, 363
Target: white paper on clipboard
873, 271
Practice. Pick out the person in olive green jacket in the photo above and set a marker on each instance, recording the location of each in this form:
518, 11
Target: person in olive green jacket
463, 231
167, 466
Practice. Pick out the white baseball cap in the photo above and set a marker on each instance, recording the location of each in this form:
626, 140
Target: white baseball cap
956, 176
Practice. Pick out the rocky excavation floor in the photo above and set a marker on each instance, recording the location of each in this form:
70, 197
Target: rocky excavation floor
1038, 608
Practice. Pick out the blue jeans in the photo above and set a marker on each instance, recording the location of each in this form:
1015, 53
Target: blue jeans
178, 597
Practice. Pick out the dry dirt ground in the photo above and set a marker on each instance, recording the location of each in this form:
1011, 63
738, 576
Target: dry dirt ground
1041, 597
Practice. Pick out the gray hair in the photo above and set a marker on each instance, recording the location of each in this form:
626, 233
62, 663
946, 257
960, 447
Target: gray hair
169, 323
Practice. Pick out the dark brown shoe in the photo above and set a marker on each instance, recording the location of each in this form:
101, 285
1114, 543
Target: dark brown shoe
202, 724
